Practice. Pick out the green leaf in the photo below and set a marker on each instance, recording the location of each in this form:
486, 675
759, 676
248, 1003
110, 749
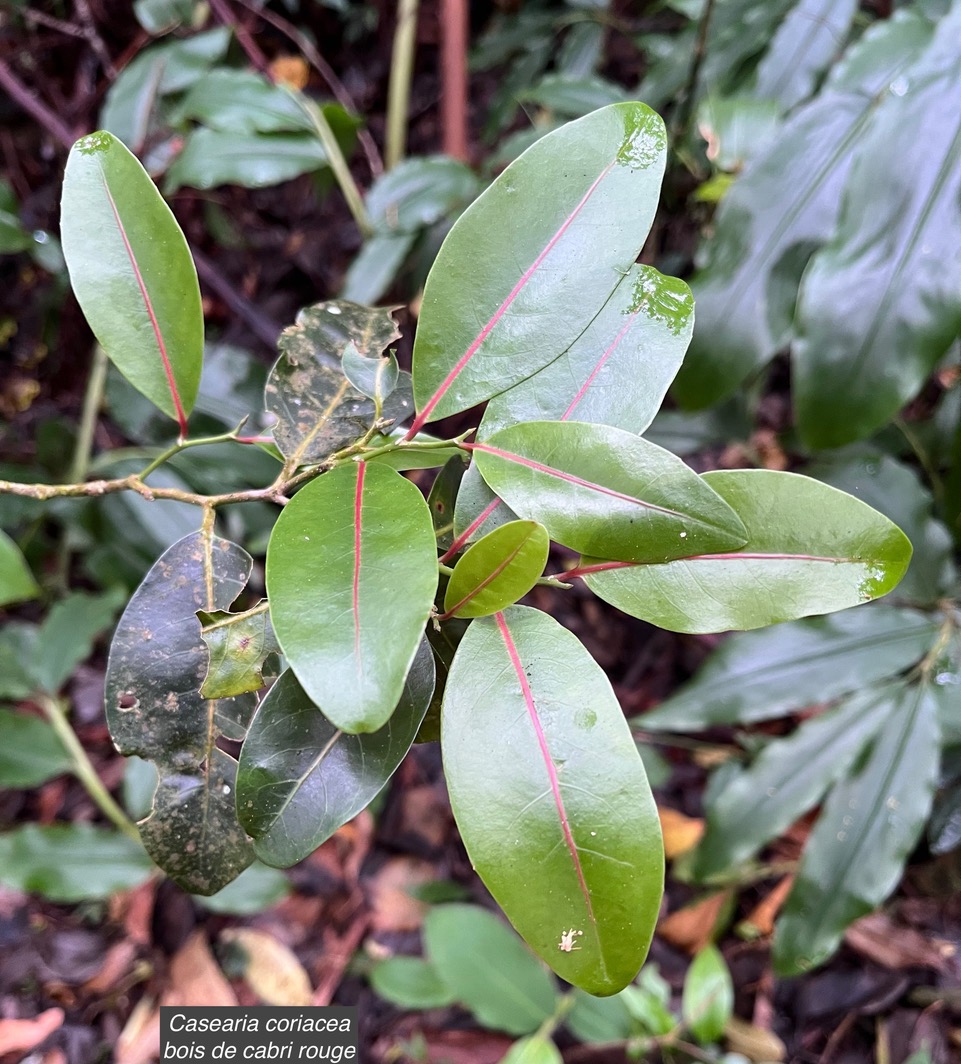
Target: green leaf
16, 580
211, 158
604, 491
783, 206
376, 266
162, 16
648, 1003
736, 128
442, 497
301, 778
353, 551
317, 409
594, 1019
67, 636
787, 779
572, 96
71, 862
811, 549
132, 273
881, 303
488, 968
475, 334
157, 664
708, 998
238, 644
30, 753
374, 377
242, 101
497, 570
535, 1049
477, 509
618, 370
256, 888
867, 827
551, 798
410, 983
420, 192
760, 675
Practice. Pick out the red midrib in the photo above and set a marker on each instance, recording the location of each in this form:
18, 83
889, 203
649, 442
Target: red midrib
600, 365
358, 515
548, 761
602, 567
145, 295
470, 530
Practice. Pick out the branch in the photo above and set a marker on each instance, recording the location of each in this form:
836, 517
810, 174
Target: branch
35, 107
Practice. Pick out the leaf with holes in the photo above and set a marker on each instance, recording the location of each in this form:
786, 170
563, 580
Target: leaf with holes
497, 570
555, 232
551, 797
301, 778
158, 661
352, 558
810, 549
132, 273
605, 491
239, 643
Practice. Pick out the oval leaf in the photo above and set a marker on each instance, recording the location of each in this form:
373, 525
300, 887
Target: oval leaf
604, 491
708, 998
132, 273
481, 331
551, 797
300, 778
498, 570
351, 557
810, 549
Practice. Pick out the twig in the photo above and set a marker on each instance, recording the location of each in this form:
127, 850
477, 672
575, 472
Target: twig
94, 39
453, 97
401, 73
52, 23
262, 326
35, 107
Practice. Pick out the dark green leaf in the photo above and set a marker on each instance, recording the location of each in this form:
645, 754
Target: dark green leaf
497, 570
352, 552
242, 101
604, 491
30, 753
476, 332
300, 778
811, 549
551, 797
16, 580
868, 826
66, 637
618, 370
256, 888
442, 497
708, 998
760, 675
410, 983
238, 644
71, 862
488, 968
157, 664
253, 160
132, 273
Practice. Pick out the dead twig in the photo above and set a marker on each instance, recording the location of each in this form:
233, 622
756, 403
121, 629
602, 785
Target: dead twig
35, 107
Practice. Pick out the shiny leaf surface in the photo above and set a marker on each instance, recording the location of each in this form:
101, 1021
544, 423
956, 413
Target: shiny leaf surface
497, 570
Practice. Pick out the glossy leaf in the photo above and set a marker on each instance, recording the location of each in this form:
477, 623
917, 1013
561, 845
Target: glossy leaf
810, 550
351, 553
30, 753
867, 827
238, 644
16, 580
497, 570
553, 231
132, 273
488, 968
477, 510
317, 409
881, 303
786, 780
708, 998
604, 491
71, 862
551, 797
411, 983
242, 101
765, 674
301, 778
784, 206
211, 157
157, 664
618, 370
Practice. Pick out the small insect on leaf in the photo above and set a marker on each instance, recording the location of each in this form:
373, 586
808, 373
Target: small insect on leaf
567, 941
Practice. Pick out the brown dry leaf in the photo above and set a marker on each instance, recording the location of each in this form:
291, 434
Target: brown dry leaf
760, 921
692, 928
769, 450
755, 1043
271, 970
139, 1041
291, 69
195, 977
425, 814
393, 907
116, 964
681, 833
892, 946
20, 1036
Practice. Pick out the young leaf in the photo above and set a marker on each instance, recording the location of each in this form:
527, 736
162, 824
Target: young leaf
551, 797
488, 968
157, 664
810, 549
411, 983
300, 778
317, 408
708, 998
238, 644
618, 370
16, 580
476, 332
497, 570
867, 828
608, 492
351, 553
132, 273
765, 674
30, 753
